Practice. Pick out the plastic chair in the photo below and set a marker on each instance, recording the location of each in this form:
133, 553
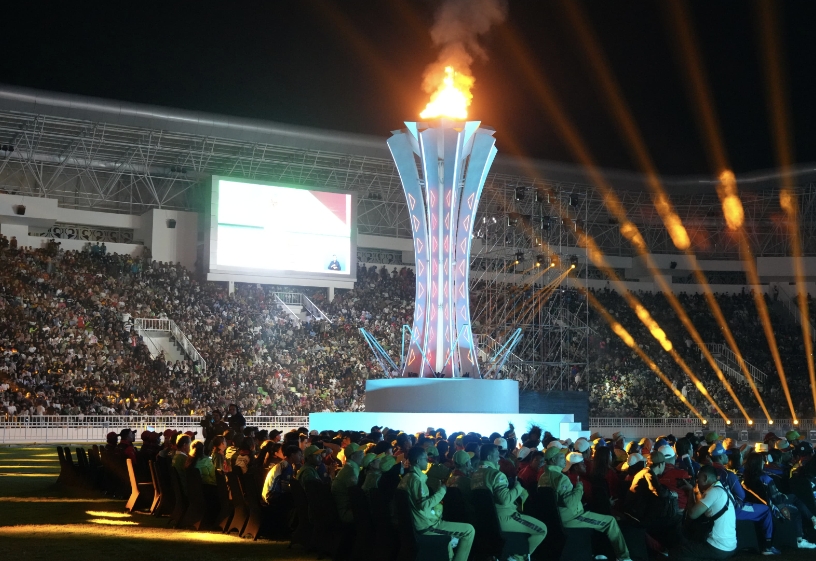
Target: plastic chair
239, 507
413, 545
490, 539
252, 497
569, 544
363, 524
303, 531
155, 508
194, 513
137, 490
222, 519
334, 539
168, 500
180, 506
456, 508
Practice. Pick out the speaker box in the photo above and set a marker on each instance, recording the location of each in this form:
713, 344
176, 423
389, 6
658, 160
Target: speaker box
19, 210
171, 223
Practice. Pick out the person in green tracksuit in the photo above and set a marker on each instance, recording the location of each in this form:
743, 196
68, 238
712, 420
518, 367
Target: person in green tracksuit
426, 510
345, 479
488, 476
312, 458
570, 507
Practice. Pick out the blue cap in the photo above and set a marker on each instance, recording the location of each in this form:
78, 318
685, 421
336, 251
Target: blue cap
660, 443
717, 449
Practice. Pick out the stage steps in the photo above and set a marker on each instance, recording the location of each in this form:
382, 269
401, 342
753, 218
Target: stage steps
727, 361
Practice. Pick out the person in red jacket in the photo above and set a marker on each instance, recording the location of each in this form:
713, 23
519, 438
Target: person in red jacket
125, 447
672, 473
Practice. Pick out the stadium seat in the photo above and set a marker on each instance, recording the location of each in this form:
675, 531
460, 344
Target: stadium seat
196, 506
143, 491
413, 545
155, 508
239, 507
334, 538
168, 500
252, 497
567, 544
490, 540
302, 533
222, 519
784, 533
747, 536
456, 509
181, 500
363, 524
386, 540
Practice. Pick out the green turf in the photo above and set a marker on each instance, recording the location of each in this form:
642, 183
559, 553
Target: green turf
39, 520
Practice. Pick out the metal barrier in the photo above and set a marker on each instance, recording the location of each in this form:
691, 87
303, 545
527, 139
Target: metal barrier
286, 299
94, 428
720, 349
157, 324
651, 427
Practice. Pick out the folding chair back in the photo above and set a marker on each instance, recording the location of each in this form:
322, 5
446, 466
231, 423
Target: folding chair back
303, 531
195, 500
239, 506
363, 524
415, 546
490, 538
158, 494
252, 496
180, 506
224, 515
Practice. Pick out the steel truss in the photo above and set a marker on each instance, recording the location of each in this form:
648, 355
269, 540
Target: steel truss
109, 167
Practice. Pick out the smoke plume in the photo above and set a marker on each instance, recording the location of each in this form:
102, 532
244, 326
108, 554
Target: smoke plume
458, 27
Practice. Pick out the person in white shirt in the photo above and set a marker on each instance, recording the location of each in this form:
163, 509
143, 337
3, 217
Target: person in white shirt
712, 501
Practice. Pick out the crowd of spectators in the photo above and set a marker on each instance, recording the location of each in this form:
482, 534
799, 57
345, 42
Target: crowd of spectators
620, 384
678, 497
69, 346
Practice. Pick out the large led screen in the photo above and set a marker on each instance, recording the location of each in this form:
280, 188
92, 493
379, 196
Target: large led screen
265, 228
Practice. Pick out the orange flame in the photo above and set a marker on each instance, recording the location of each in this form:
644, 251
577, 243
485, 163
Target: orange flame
452, 98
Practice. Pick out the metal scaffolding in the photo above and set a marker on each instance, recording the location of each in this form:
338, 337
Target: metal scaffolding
98, 163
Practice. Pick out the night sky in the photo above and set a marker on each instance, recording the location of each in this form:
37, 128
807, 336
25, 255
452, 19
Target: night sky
357, 66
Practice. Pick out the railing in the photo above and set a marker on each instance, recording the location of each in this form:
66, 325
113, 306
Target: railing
159, 324
790, 301
520, 370
717, 348
284, 306
313, 309
650, 427
94, 428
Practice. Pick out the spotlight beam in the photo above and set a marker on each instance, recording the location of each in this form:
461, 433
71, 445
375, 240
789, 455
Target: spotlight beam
775, 81
624, 335
573, 140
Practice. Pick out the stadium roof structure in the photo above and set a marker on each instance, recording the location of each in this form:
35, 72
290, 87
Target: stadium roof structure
113, 156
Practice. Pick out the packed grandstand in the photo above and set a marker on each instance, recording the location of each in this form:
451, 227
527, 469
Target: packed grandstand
69, 345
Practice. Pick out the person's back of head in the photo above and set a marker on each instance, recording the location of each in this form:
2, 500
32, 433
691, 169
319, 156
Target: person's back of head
415, 453
487, 451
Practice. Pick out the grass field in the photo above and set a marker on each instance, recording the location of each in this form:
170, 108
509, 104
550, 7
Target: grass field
38, 520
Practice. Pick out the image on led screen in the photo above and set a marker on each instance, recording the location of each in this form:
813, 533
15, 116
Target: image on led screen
268, 227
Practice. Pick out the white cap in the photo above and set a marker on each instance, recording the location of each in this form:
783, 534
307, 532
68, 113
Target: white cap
668, 452
555, 444
523, 453
581, 445
501, 443
635, 458
572, 459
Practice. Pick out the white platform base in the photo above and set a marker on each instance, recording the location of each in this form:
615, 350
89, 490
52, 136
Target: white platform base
451, 395
561, 426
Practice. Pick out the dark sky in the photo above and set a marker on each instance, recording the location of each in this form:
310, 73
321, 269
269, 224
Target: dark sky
357, 66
